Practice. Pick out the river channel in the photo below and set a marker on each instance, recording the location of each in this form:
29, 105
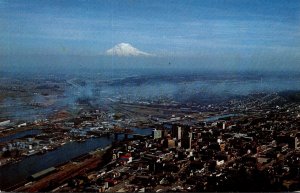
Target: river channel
20, 171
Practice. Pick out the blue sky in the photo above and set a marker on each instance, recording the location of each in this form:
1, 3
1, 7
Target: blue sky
235, 29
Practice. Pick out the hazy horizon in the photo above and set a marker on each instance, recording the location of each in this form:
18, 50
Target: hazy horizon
213, 35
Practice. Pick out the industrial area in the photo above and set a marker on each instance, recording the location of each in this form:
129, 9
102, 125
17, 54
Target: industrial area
248, 144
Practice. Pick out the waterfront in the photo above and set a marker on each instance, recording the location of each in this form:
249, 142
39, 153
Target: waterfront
217, 117
20, 135
13, 174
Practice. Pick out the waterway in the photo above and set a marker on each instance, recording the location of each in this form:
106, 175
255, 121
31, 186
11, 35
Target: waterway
18, 172
20, 135
215, 118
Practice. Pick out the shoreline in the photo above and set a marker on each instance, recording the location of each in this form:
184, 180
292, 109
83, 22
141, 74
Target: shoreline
64, 171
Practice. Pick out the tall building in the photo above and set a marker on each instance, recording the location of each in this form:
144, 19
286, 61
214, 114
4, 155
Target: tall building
156, 134
169, 143
177, 132
187, 141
